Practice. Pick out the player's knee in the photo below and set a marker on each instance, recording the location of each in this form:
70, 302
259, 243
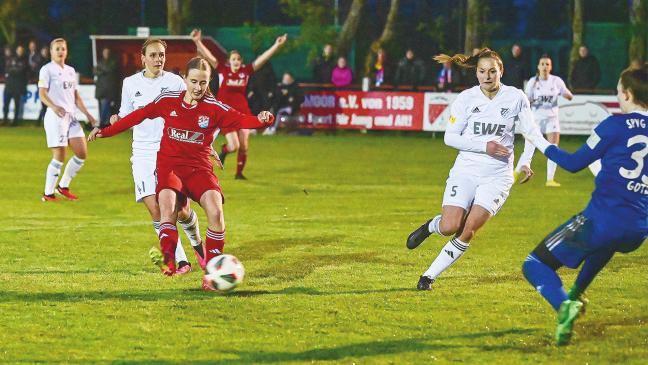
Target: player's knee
82, 155
448, 226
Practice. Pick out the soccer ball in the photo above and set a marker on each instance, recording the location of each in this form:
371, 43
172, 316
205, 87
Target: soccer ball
224, 272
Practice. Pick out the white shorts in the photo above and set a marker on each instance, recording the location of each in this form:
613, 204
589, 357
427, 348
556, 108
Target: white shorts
59, 130
144, 176
549, 125
489, 192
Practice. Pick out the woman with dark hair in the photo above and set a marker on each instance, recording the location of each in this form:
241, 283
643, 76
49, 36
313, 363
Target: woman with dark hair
234, 78
481, 127
191, 119
543, 91
616, 217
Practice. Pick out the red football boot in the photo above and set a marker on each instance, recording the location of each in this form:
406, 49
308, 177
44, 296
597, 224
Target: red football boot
66, 193
49, 198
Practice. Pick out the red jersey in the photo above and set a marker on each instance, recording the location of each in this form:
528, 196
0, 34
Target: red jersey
233, 86
189, 130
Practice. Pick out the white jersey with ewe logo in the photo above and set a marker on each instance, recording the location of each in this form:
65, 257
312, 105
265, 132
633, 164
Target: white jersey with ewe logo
61, 83
476, 120
544, 95
137, 92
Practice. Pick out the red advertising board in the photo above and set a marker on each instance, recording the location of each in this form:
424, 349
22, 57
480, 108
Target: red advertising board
363, 110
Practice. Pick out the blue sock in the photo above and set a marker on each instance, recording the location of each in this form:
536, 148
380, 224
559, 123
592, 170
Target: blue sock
545, 280
592, 266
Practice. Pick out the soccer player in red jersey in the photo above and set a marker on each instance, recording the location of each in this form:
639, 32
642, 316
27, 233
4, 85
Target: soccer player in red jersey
191, 119
233, 84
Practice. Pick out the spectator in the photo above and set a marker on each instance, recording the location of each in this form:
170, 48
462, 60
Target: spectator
470, 74
107, 86
260, 89
6, 54
410, 71
45, 59
379, 66
324, 65
586, 73
16, 78
517, 71
34, 59
448, 79
341, 76
287, 100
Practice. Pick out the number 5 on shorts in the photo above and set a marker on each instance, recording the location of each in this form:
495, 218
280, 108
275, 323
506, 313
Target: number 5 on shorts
454, 190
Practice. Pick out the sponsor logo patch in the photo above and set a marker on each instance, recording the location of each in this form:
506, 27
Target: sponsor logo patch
203, 121
186, 136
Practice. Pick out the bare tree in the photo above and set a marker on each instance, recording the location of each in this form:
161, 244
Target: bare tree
350, 28
178, 12
577, 31
10, 12
386, 36
637, 47
473, 25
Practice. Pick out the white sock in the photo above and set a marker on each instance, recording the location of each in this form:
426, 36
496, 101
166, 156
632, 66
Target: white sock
73, 166
434, 226
450, 253
551, 170
191, 228
180, 254
52, 175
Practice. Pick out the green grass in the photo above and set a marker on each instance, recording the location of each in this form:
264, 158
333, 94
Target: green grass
320, 227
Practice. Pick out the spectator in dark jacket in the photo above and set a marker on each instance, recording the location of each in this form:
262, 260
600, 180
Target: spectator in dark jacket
17, 77
517, 70
261, 88
287, 100
107, 86
410, 71
44, 59
35, 60
586, 73
324, 65
449, 78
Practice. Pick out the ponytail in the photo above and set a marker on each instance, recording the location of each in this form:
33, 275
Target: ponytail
466, 61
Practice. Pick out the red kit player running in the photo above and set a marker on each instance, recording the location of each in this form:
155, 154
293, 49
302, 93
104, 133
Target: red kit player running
232, 91
191, 119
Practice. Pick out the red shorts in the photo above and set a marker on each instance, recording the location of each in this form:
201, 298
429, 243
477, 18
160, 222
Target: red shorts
190, 182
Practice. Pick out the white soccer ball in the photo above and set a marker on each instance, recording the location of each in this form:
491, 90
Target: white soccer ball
224, 272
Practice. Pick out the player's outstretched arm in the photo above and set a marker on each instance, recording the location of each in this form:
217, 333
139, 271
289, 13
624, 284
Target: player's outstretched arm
572, 162
265, 56
203, 51
81, 105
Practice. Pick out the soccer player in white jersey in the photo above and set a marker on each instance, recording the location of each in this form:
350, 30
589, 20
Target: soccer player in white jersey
481, 127
137, 91
543, 91
57, 88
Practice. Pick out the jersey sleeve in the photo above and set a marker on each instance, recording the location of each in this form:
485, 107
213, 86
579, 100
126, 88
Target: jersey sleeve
150, 111
562, 88
456, 125
593, 149
527, 126
43, 78
231, 119
249, 68
126, 106
528, 89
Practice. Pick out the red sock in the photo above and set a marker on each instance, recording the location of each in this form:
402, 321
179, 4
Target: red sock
168, 242
224, 149
241, 159
214, 244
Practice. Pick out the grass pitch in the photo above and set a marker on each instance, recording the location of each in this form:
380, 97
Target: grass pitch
320, 227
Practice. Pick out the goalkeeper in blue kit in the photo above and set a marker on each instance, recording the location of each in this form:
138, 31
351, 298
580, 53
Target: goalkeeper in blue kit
616, 218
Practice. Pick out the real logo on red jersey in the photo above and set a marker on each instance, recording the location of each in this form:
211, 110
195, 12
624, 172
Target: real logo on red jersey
186, 136
203, 121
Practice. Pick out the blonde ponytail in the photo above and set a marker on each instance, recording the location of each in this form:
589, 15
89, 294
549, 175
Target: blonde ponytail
466, 61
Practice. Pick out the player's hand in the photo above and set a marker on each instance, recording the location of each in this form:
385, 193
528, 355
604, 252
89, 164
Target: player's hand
196, 35
266, 117
59, 111
526, 170
281, 40
214, 156
495, 149
114, 118
96, 133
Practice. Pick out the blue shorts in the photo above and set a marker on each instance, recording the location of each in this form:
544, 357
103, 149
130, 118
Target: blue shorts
580, 237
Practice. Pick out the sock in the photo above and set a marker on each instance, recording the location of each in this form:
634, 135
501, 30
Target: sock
180, 254
168, 242
241, 159
545, 280
551, 170
433, 227
591, 267
214, 244
450, 253
51, 176
191, 228
71, 169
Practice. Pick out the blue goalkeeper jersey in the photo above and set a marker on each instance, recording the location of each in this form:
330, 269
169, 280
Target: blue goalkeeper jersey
621, 192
